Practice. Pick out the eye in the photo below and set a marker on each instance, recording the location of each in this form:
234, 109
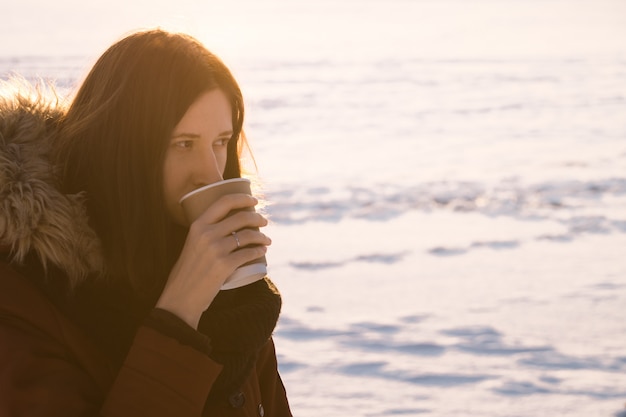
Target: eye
221, 142
184, 144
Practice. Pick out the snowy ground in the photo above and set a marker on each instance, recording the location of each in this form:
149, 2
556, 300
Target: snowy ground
441, 313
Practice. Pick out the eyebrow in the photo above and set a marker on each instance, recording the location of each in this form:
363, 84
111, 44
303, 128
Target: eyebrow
226, 133
186, 135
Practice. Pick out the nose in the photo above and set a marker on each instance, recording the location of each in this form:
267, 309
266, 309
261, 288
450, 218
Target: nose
206, 169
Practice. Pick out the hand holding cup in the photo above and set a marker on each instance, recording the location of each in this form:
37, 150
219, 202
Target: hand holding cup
213, 258
197, 201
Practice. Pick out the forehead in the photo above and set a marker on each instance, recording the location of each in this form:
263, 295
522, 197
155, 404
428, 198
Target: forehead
211, 110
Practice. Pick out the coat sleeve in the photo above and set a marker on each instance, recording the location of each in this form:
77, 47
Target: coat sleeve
160, 377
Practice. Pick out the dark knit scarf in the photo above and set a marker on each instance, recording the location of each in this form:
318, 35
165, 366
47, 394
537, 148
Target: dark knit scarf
239, 322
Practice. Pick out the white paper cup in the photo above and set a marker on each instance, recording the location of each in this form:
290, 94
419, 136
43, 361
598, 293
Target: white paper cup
197, 201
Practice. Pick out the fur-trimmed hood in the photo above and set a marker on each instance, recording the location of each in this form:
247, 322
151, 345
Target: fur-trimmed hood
35, 217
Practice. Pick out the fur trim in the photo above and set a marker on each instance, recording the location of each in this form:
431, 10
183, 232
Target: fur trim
34, 215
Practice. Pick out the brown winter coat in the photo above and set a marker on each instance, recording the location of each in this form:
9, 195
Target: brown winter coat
48, 365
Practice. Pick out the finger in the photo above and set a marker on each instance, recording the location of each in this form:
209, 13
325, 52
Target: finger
246, 237
245, 255
243, 220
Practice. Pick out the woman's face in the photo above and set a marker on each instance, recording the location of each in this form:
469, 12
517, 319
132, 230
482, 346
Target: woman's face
196, 155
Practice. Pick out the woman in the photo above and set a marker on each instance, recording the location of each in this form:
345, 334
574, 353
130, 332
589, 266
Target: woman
110, 304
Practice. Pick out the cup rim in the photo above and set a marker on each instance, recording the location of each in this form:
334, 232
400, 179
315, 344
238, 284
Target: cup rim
215, 184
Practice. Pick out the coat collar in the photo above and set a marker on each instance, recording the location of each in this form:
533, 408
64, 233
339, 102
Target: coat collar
35, 216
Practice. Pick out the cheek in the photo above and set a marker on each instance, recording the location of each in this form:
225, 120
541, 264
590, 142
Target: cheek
221, 158
171, 189
168, 180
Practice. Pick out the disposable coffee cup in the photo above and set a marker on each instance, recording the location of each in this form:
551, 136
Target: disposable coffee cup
197, 201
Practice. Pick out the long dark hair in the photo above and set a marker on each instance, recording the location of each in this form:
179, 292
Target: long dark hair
113, 139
